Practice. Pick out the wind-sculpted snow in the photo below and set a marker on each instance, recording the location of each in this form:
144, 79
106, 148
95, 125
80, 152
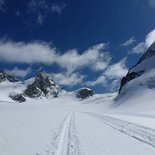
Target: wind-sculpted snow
141, 133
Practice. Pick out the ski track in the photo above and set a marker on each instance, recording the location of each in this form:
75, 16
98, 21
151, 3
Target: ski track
141, 133
65, 141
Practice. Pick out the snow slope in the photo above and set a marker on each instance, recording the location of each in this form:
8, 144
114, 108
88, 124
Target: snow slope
6, 88
65, 126
138, 87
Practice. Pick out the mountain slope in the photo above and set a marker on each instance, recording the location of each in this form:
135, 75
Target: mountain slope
138, 86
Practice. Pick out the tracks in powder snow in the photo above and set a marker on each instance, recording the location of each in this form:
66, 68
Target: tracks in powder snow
65, 141
136, 131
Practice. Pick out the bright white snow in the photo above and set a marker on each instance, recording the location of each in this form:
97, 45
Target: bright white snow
66, 126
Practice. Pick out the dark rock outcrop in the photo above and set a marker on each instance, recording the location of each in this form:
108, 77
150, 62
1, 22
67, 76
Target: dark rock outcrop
129, 77
18, 97
134, 74
42, 86
84, 93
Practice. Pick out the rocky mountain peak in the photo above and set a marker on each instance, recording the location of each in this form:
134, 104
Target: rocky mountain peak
6, 77
43, 86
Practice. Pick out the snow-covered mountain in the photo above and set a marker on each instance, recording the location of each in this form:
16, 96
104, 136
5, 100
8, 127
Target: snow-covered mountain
138, 86
145, 64
40, 86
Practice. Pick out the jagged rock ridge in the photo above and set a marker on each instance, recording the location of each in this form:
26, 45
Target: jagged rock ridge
43, 85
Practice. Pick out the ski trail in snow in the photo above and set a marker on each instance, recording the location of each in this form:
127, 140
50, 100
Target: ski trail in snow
68, 143
73, 143
141, 133
65, 141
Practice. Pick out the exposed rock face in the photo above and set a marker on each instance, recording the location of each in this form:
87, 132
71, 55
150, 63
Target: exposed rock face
18, 97
141, 67
43, 86
129, 77
6, 77
84, 93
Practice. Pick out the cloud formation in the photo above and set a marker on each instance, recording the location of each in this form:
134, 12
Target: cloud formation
58, 8
110, 78
129, 42
116, 70
101, 80
142, 46
69, 80
18, 72
139, 49
38, 10
28, 53
95, 58
150, 38
152, 3
2, 2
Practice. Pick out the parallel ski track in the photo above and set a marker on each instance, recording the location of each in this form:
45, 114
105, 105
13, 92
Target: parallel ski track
141, 133
65, 141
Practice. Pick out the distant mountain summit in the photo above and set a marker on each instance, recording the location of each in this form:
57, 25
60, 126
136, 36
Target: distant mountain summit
6, 77
84, 93
43, 86
40, 86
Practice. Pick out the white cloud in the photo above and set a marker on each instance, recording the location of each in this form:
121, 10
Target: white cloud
2, 2
150, 38
58, 8
152, 3
95, 58
142, 46
68, 79
116, 70
129, 42
18, 72
110, 78
114, 85
20, 52
38, 10
101, 80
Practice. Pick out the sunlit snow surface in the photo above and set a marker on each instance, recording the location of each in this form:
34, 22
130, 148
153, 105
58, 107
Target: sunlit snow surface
66, 126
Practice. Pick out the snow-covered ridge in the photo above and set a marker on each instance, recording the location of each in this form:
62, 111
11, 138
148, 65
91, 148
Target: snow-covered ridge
138, 87
145, 64
40, 86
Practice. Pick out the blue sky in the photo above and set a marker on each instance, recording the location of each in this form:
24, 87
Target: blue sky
81, 43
